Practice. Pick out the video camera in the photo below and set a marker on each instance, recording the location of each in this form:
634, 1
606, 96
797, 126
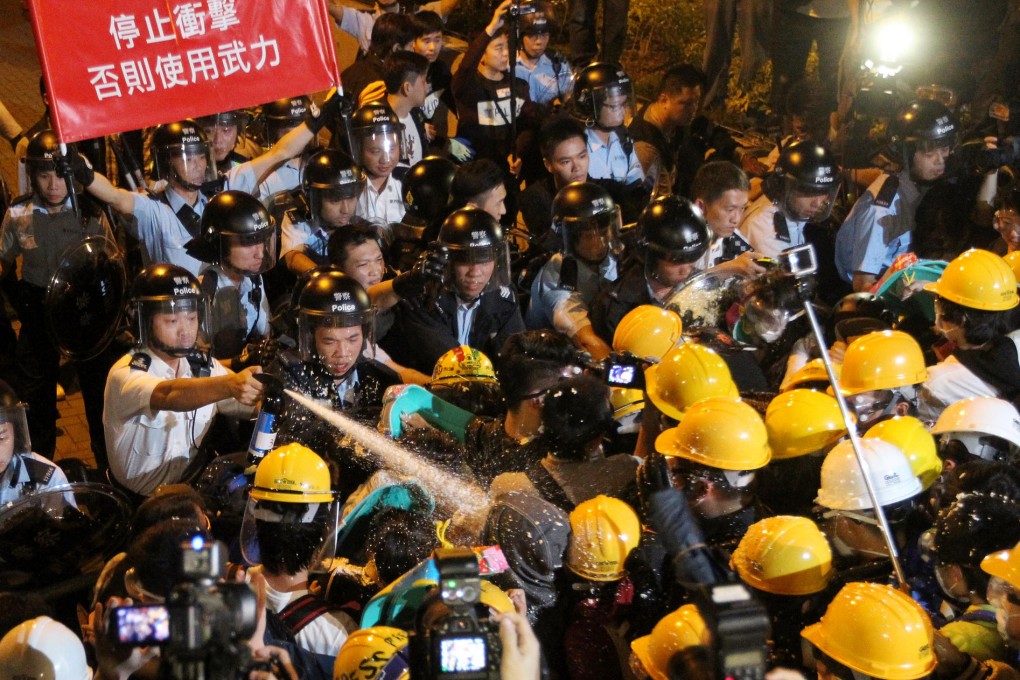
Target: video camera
619, 369
520, 9
739, 625
204, 626
454, 639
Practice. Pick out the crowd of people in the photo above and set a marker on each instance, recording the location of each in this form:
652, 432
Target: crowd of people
636, 370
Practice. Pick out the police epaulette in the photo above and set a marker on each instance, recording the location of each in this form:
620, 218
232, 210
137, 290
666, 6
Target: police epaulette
38, 471
887, 192
140, 362
568, 274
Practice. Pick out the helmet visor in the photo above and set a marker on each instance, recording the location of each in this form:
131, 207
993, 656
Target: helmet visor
333, 207
189, 166
336, 341
613, 104
810, 203
378, 152
14, 437
251, 254
592, 239
478, 269
176, 326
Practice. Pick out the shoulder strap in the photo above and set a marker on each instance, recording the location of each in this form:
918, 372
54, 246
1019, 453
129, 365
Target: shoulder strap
978, 616
547, 486
210, 282
782, 229
887, 192
39, 473
302, 611
568, 273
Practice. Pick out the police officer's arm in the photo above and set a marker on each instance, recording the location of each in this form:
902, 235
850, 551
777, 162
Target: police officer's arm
121, 200
297, 261
295, 141
188, 394
587, 340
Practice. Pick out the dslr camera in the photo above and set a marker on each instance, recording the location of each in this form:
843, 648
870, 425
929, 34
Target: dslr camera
619, 369
204, 626
454, 639
740, 631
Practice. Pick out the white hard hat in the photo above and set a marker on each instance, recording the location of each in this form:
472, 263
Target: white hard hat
843, 485
42, 649
969, 419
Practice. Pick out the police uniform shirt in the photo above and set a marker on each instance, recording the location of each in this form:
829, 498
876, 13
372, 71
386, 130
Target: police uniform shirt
873, 235
284, 178
545, 82
17, 480
233, 307
41, 237
148, 448
465, 317
299, 234
759, 228
381, 207
554, 306
611, 161
163, 235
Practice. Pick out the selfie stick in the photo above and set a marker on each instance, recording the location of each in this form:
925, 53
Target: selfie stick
804, 291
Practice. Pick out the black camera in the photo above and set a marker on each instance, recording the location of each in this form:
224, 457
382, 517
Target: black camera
799, 261
519, 9
619, 369
739, 625
454, 639
204, 625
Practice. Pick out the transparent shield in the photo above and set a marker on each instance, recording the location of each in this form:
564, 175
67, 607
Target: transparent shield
378, 152
592, 239
176, 326
189, 167
333, 340
477, 270
333, 207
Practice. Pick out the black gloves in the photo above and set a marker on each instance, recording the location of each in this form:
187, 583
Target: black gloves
77, 167
428, 269
327, 114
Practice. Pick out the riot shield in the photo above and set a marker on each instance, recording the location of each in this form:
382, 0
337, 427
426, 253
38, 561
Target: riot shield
703, 300
85, 298
60, 533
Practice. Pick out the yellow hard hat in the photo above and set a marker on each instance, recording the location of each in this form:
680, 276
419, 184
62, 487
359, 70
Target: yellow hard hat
675, 631
627, 407
802, 422
648, 331
1005, 564
978, 279
292, 474
876, 630
785, 555
810, 373
882, 360
372, 653
1013, 260
910, 436
687, 374
720, 432
603, 532
463, 363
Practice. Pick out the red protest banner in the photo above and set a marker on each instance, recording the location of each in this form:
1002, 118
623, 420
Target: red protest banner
115, 65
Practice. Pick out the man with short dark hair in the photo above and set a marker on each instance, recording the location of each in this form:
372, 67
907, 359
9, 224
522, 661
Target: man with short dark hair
564, 150
405, 75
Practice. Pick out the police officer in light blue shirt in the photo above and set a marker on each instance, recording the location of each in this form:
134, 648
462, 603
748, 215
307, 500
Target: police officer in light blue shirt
21, 471
588, 219
879, 227
602, 96
182, 157
547, 73
238, 239
280, 117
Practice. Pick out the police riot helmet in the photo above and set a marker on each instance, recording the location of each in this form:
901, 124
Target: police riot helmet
427, 189
14, 437
473, 236
181, 153
922, 125
168, 289
333, 300
536, 23
595, 85
40, 157
283, 115
376, 127
674, 229
805, 169
329, 176
223, 131
586, 207
236, 219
